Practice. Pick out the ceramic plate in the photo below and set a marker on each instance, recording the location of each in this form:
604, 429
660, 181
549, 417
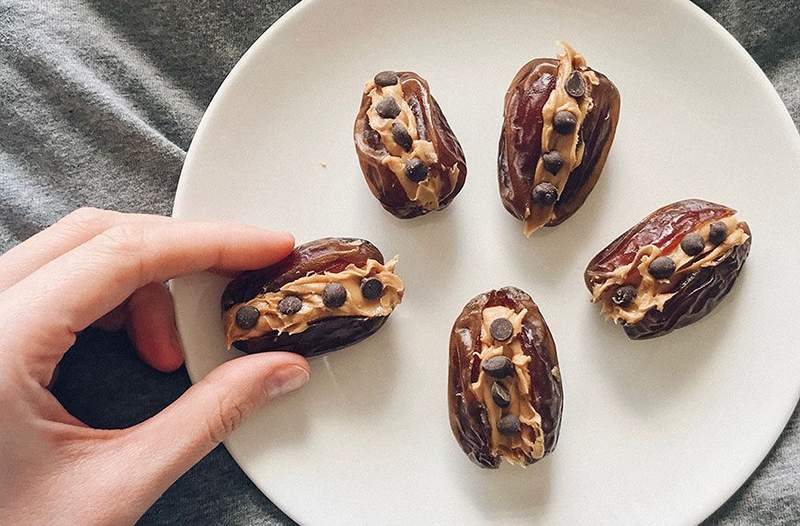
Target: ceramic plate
659, 431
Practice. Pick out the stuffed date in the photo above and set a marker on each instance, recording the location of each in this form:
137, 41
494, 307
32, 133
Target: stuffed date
559, 121
410, 158
671, 269
327, 294
505, 394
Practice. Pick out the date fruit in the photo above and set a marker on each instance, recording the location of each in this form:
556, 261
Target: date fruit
410, 158
505, 394
559, 121
327, 294
671, 269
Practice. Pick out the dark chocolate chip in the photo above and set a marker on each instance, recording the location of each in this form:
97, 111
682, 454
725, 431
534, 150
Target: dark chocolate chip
692, 244
416, 170
576, 85
624, 296
552, 161
371, 288
544, 194
247, 317
290, 305
717, 233
500, 395
387, 108
662, 267
501, 329
564, 122
509, 425
497, 366
373, 139
386, 78
401, 136
334, 295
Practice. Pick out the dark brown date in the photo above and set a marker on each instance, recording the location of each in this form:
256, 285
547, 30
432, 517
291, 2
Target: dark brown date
445, 177
521, 139
707, 246
316, 257
470, 411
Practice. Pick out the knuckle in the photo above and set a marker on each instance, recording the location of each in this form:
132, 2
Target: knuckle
125, 240
125, 245
226, 419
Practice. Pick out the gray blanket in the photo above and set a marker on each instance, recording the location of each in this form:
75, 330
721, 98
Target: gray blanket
99, 100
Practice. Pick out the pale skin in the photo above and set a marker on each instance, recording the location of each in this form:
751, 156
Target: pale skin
108, 269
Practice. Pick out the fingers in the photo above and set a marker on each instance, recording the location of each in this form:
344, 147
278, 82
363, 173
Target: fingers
72, 230
169, 443
151, 327
149, 317
67, 294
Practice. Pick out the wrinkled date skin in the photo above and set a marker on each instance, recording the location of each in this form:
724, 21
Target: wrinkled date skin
468, 415
431, 126
521, 139
698, 293
321, 336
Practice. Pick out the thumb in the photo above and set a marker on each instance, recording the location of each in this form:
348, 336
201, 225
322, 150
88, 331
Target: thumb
165, 446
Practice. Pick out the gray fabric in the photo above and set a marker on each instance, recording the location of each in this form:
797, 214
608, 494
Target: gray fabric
98, 104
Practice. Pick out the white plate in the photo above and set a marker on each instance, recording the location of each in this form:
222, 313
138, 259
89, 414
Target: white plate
661, 431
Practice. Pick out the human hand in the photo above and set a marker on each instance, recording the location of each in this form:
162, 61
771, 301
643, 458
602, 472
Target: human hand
108, 268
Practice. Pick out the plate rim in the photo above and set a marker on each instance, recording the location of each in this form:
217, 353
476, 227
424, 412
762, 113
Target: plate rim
727, 489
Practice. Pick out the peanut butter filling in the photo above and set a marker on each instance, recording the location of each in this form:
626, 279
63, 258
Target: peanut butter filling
309, 289
518, 448
567, 145
427, 191
653, 293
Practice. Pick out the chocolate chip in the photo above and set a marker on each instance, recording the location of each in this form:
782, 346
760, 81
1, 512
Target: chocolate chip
544, 194
576, 85
386, 78
564, 122
501, 329
552, 161
334, 295
717, 233
371, 288
401, 136
290, 305
624, 296
247, 317
387, 108
692, 244
500, 395
497, 366
662, 267
509, 425
373, 139
416, 170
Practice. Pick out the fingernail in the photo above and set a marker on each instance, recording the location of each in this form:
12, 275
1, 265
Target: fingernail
286, 380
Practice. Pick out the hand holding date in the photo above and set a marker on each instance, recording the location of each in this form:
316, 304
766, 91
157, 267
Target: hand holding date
107, 269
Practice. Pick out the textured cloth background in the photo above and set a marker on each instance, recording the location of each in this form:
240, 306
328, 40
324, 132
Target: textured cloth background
99, 100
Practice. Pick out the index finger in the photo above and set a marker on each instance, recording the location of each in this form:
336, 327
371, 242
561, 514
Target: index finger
80, 286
